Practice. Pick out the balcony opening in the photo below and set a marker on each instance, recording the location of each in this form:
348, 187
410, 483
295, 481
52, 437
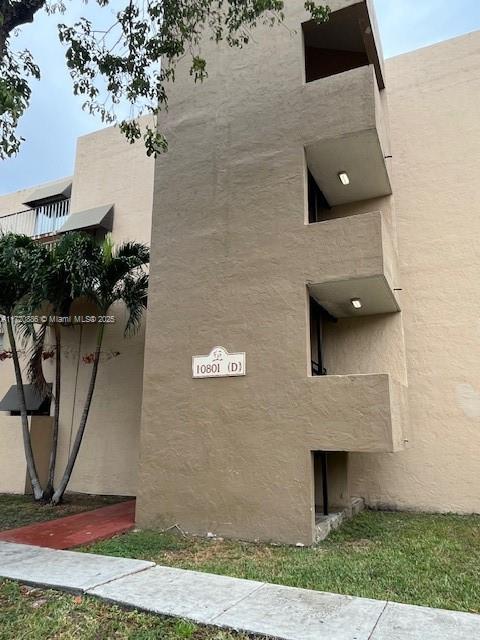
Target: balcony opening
331, 483
335, 46
319, 208
318, 318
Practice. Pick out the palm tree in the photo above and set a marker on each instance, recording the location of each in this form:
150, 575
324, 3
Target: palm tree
120, 276
63, 273
17, 254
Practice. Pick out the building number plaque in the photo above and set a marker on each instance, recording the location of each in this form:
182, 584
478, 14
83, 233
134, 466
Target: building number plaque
219, 364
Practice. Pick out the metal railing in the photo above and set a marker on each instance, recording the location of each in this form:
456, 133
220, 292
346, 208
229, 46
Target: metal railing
42, 221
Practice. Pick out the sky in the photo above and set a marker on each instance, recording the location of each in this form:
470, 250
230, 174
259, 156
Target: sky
55, 118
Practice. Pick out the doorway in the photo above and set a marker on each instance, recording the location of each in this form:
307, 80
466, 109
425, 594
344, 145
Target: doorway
331, 477
318, 317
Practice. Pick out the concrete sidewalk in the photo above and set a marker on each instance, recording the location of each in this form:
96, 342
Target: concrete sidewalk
246, 605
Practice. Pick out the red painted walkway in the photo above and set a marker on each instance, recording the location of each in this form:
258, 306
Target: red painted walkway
77, 530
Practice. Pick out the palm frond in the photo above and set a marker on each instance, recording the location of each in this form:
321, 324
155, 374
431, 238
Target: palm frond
119, 263
136, 253
108, 249
134, 293
24, 330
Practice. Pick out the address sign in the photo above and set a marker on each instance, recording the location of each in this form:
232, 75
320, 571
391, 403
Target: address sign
219, 364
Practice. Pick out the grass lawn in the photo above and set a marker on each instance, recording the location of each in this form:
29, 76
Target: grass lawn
431, 560
18, 511
41, 615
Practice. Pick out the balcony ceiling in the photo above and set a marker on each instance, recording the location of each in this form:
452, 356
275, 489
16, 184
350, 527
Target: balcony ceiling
360, 155
374, 292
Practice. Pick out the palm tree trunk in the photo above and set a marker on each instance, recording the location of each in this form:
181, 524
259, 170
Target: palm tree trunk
56, 416
58, 495
27, 443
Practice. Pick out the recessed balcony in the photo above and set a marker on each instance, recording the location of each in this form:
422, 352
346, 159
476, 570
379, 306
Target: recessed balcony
48, 221
43, 220
347, 40
352, 258
346, 135
362, 413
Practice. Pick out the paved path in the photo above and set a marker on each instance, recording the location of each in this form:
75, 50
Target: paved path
255, 607
79, 529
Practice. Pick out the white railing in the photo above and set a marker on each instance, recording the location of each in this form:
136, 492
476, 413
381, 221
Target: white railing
41, 221
21, 222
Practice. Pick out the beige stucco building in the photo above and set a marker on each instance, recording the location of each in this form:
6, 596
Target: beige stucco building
317, 216
110, 190
260, 248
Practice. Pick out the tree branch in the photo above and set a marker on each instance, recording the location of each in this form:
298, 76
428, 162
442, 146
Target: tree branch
17, 13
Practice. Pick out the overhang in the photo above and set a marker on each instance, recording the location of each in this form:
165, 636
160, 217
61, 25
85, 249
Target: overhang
360, 156
345, 131
57, 190
96, 218
352, 258
33, 399
374, 293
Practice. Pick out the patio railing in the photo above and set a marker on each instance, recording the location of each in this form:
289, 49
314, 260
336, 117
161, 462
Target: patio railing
41, 221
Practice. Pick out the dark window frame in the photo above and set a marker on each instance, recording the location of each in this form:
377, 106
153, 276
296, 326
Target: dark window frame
317, 203
318, 317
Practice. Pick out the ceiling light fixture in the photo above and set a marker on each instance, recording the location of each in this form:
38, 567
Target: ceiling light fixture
343, 177
356, 303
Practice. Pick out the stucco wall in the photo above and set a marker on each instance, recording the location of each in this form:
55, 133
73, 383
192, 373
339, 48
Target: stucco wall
108, 458
13, 468
231, 260
433, 96
108, 170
